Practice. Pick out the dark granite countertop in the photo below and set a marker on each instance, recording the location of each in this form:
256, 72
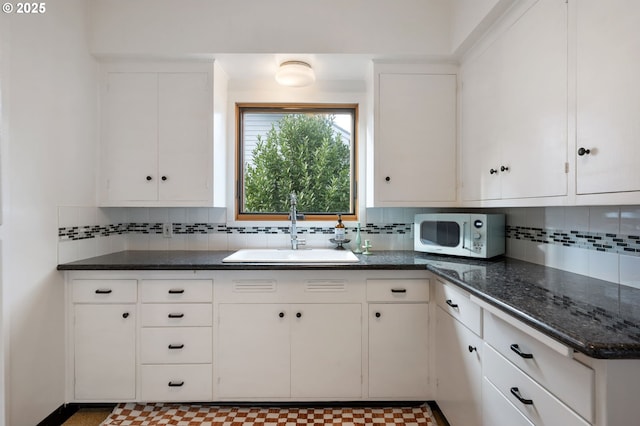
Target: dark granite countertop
598, 318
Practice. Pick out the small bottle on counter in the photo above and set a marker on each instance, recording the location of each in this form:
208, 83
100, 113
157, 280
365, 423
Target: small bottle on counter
340, 230
358, 243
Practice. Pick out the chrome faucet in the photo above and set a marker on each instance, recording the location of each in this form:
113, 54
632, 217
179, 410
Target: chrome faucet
294, 216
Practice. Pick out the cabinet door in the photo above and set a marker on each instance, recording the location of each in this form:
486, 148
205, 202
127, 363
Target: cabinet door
104, 352
415, 147
608, 96
130, 137
458, 371
514, 110
398, 350
326, 351
185, 136
253, 354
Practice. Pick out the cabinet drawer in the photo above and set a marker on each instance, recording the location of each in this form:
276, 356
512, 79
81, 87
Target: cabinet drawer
177, 315
176, 291
104, 291
176, 383
537, 404
397, 290
497, 410
456, 303
179, 345
566, 378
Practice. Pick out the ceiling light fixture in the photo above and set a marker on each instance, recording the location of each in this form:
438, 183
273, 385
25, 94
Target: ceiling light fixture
295, 74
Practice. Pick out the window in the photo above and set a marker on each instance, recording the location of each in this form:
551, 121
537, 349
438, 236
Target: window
306, 149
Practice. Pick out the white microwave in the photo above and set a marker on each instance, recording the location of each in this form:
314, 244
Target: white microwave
460, 234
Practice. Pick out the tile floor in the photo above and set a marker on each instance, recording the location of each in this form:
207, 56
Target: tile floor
158, 414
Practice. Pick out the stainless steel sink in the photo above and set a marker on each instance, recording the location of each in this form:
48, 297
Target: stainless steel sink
291, 256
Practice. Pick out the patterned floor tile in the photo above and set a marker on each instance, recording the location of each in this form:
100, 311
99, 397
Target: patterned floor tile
206, 415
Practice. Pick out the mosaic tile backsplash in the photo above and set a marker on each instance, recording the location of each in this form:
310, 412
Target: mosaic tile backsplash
602, 242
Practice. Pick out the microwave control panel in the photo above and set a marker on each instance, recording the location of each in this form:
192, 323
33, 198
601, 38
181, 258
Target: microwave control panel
478, 242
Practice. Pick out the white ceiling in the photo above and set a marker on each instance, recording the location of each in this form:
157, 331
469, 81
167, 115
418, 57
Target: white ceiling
326, 66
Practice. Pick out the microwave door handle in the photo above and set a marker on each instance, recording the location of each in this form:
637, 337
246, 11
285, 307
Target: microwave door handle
464, 236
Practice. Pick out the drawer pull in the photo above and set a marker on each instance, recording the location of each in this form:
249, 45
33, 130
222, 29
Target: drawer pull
125, 315
398, 290
180, 346
516, 392
176, 315
104, 291
176, 384
517, 350
450, 303
472, 348
176, 291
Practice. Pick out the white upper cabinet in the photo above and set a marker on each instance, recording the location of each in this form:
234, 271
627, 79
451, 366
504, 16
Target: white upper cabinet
157, 136
608, 97
413, 162
514, 104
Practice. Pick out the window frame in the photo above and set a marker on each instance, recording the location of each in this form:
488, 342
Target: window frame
289, 107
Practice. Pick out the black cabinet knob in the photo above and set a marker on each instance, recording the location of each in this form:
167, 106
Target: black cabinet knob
378, 314
281, 314
472, 348
493, 171
299, 315
149, 178
164, 178
583, 151
388, 179
504, 168
125, 315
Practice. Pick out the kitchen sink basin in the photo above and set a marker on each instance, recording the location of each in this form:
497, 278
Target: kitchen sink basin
291, 256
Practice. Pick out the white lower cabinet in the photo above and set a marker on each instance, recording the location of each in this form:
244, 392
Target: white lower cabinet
458, 356
104, 352
176, 340
398, 338
535, 402
290, 350
103, 326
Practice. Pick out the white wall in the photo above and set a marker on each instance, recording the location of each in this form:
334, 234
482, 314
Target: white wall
51, 143
471, 18
159, 27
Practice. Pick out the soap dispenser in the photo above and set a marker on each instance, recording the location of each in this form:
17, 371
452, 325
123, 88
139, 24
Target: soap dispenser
340, 230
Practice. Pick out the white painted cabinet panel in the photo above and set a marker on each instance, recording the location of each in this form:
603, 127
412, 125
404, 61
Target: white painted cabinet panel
608, 96
184, 136
157, 137
458, 371
104, 351
130, 136
514, 110
254, 351
399, 350
284, 350
415, 137
326, 351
